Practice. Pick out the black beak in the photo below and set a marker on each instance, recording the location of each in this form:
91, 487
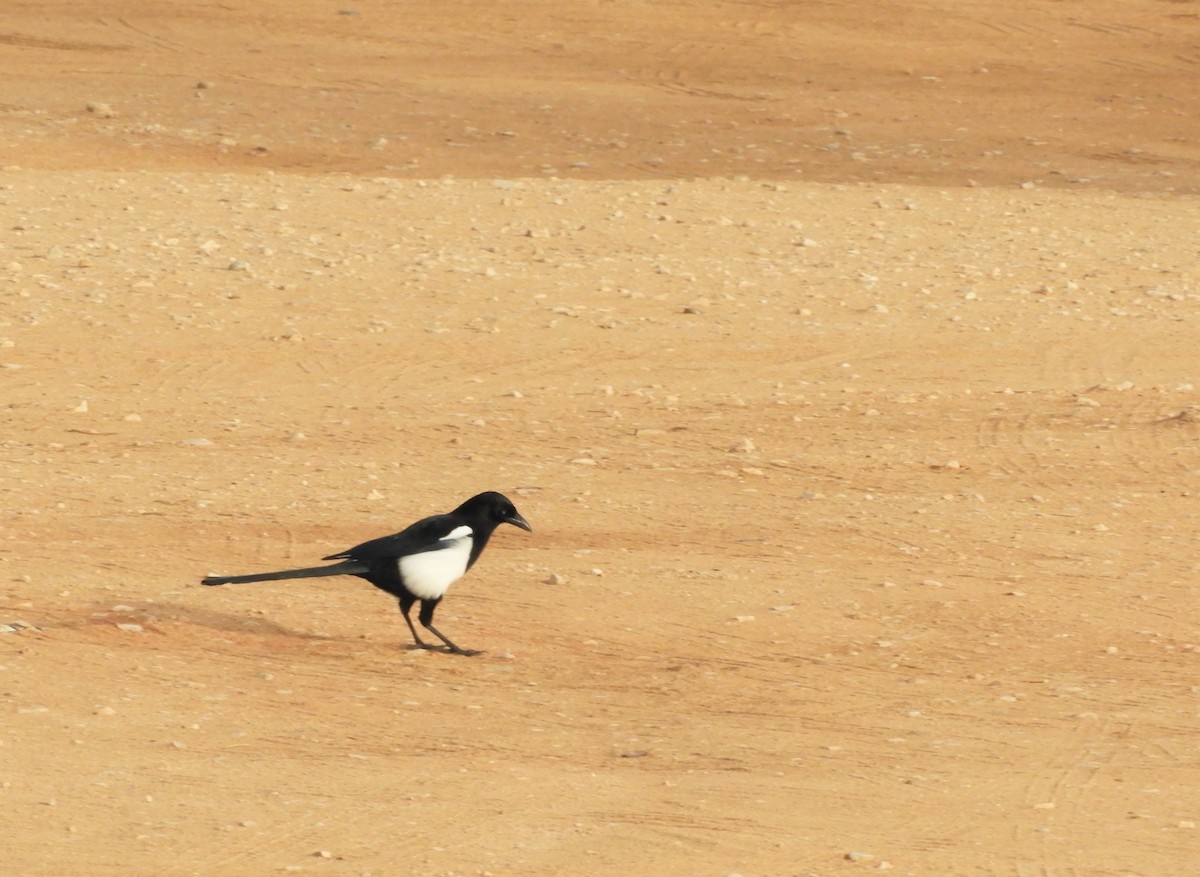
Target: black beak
517, 521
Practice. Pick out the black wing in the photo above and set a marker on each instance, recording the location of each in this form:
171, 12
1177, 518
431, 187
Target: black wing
424, 535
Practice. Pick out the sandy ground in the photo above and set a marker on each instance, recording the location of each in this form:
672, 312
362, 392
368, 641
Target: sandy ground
842, 356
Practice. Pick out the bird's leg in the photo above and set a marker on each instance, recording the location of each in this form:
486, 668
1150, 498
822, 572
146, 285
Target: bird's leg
406, 603
426, 616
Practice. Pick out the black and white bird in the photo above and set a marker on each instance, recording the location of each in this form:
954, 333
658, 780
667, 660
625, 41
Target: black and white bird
419, 563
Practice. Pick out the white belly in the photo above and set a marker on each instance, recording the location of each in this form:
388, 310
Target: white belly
429, 574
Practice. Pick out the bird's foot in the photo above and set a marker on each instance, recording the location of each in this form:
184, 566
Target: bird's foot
448, 649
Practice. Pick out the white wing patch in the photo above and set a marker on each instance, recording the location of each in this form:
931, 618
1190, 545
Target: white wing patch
430, 574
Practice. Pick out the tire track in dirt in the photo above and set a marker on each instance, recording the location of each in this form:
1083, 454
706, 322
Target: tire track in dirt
1149, 436
1057, 797
705, 68
173, 376
1010, 442
152, 37
31, 42
1119, 35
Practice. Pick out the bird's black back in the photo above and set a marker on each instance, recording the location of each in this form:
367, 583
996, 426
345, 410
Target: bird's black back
483, 513
413, 539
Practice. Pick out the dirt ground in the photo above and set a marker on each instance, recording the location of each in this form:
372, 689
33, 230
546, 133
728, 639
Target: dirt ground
842, 356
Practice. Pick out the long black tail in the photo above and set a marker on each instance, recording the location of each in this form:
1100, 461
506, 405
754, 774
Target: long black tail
345, 568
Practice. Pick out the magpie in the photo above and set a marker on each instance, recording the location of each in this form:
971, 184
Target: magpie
418, 563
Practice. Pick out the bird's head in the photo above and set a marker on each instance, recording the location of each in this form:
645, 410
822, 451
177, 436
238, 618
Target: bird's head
496, 508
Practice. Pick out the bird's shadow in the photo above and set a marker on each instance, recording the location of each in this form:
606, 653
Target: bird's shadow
152, 615
158, 617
